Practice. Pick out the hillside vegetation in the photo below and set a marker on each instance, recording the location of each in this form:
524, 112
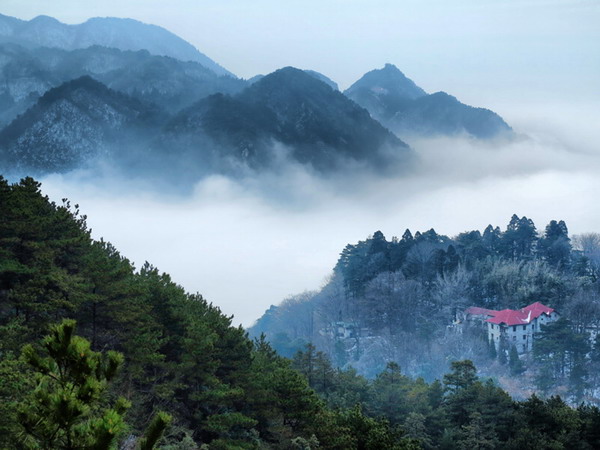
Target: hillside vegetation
404, 300
182, 356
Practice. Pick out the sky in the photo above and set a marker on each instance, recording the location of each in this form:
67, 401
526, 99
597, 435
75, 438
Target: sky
537, 63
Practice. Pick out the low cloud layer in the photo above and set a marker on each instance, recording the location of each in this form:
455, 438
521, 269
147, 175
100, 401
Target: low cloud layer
248, 243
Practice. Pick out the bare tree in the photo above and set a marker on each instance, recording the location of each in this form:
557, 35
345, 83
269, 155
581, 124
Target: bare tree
393, 302
584, 310
296, 314
451, 293
589, 245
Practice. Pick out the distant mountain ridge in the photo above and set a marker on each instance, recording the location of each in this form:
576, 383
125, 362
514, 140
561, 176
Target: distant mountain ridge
113, 95
123, 34
25, 74
71, 125
406, 109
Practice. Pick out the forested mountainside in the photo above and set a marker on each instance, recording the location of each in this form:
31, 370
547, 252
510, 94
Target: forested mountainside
74, 125
404, 300
123, 34
318, 125
183, 357
27, 73
286, 116
406, 109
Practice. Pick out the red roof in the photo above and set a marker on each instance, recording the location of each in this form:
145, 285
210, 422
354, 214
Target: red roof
477, 311
537, 309
522, 316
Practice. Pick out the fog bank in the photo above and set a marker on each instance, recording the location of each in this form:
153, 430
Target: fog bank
247, 243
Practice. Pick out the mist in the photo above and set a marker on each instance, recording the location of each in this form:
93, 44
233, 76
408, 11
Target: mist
248, 242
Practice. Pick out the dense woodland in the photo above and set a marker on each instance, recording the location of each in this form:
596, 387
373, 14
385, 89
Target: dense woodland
403, 301
140, 356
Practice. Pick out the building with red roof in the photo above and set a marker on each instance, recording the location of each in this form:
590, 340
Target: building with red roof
514, 327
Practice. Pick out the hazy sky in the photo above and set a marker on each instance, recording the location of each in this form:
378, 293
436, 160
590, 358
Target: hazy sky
537, 63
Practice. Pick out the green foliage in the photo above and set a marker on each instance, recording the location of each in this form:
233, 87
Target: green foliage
477, 434
15, 383
463, 376
560, 350
155, 430
370, 434
64, 410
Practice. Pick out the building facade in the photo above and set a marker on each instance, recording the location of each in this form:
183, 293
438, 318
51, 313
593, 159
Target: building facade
515, 327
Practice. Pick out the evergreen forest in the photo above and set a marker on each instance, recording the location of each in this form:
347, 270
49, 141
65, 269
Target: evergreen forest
97, 353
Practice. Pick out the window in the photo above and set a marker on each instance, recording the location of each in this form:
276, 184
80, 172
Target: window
524, 327
524, 337
514, 328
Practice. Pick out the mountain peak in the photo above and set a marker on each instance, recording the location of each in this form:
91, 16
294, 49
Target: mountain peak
391, 68
318, 125
387, 80
44, 19
405, 108
84, 82
292, 80
383, 91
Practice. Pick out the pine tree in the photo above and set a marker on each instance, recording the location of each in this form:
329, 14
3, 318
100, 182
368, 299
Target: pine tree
463, 375
555, 246
477, 436
64, 409
67, 408
515, 364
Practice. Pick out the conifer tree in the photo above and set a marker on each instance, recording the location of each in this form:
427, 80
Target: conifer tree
64, 409
515, 364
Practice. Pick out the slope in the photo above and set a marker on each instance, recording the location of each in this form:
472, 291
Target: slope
72, 124
319, 126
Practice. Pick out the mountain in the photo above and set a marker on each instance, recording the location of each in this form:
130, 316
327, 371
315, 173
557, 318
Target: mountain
319, 126
25, 74
72, 124
405, 108
383, 92
319, 76
287, 112
123, 34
